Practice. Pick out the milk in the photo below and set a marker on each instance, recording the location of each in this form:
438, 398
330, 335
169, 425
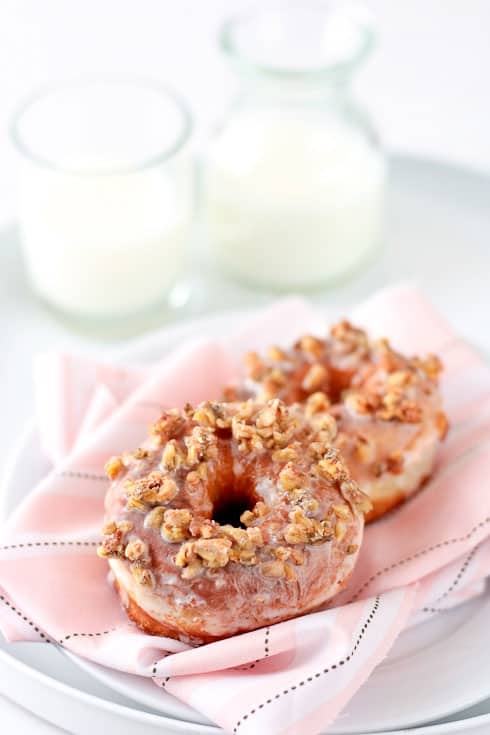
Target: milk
292, 200
103, 245
105, 194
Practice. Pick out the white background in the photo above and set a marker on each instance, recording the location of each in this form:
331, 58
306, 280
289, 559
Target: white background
427, 84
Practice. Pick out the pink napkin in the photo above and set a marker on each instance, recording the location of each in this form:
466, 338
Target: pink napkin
289, 678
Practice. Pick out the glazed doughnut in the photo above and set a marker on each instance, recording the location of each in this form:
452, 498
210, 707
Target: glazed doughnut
230, 517
387, 406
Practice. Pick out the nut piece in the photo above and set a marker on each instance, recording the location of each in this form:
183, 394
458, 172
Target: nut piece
316, 403
176, 524
211, 553
154, 518
154, 488
275, 569
442, 424
113, 467
275, 354
136, 550
313, 346
254, 366
316, 376
142, 575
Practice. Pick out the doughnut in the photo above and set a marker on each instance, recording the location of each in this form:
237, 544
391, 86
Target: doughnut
388, 407
231, 517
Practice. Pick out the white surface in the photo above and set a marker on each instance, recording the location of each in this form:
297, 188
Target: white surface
426, 85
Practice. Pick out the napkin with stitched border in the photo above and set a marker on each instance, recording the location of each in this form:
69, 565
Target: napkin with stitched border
293, 677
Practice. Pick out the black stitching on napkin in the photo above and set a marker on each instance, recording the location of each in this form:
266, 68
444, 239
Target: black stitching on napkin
24, 618
318, 674
85, 635
40, 544
418, 554
83, 476
454, 584
249, 667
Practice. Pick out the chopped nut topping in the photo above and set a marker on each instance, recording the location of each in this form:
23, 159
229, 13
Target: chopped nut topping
431, 366
298, 557
295, 533
340, 530
315, 377
213, 553
136, 549
326, 425
247, 517
303, 530
142, 575
442, 424
172, 457
154, 488
113, 467
254, 366
396, 406
170, 422
365, 448
205, 414
350, 337
355, 497
316, 403
290, 478
275, 569
352, 548
109, 528
281, 553
287, 454
275, 354
201, 445
113, 545
331, 467
255, 536
141, 453
192, 570
342, 511
400, 379
238, 535
312, 346
176, 524
154, 518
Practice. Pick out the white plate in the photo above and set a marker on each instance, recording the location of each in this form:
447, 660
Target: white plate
442, 665
438, 232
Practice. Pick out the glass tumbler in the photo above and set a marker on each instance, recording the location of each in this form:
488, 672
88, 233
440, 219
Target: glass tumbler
294, 175
105, 195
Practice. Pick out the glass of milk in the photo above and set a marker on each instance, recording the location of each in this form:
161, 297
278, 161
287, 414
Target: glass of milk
294, 176
105, 196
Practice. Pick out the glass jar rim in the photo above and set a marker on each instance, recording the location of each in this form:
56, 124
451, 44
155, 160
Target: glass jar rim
44, 92
335, 70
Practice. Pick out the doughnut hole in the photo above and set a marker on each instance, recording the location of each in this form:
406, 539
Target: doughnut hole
233, 499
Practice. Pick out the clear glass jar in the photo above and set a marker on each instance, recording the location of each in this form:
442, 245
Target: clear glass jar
106, 196
294, 176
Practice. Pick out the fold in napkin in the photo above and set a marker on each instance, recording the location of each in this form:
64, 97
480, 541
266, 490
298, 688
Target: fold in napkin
296, 676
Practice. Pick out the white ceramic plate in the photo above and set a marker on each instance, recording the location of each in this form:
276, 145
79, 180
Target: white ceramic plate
438, 231
441, 666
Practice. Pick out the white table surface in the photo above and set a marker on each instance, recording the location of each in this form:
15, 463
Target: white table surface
426, 85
